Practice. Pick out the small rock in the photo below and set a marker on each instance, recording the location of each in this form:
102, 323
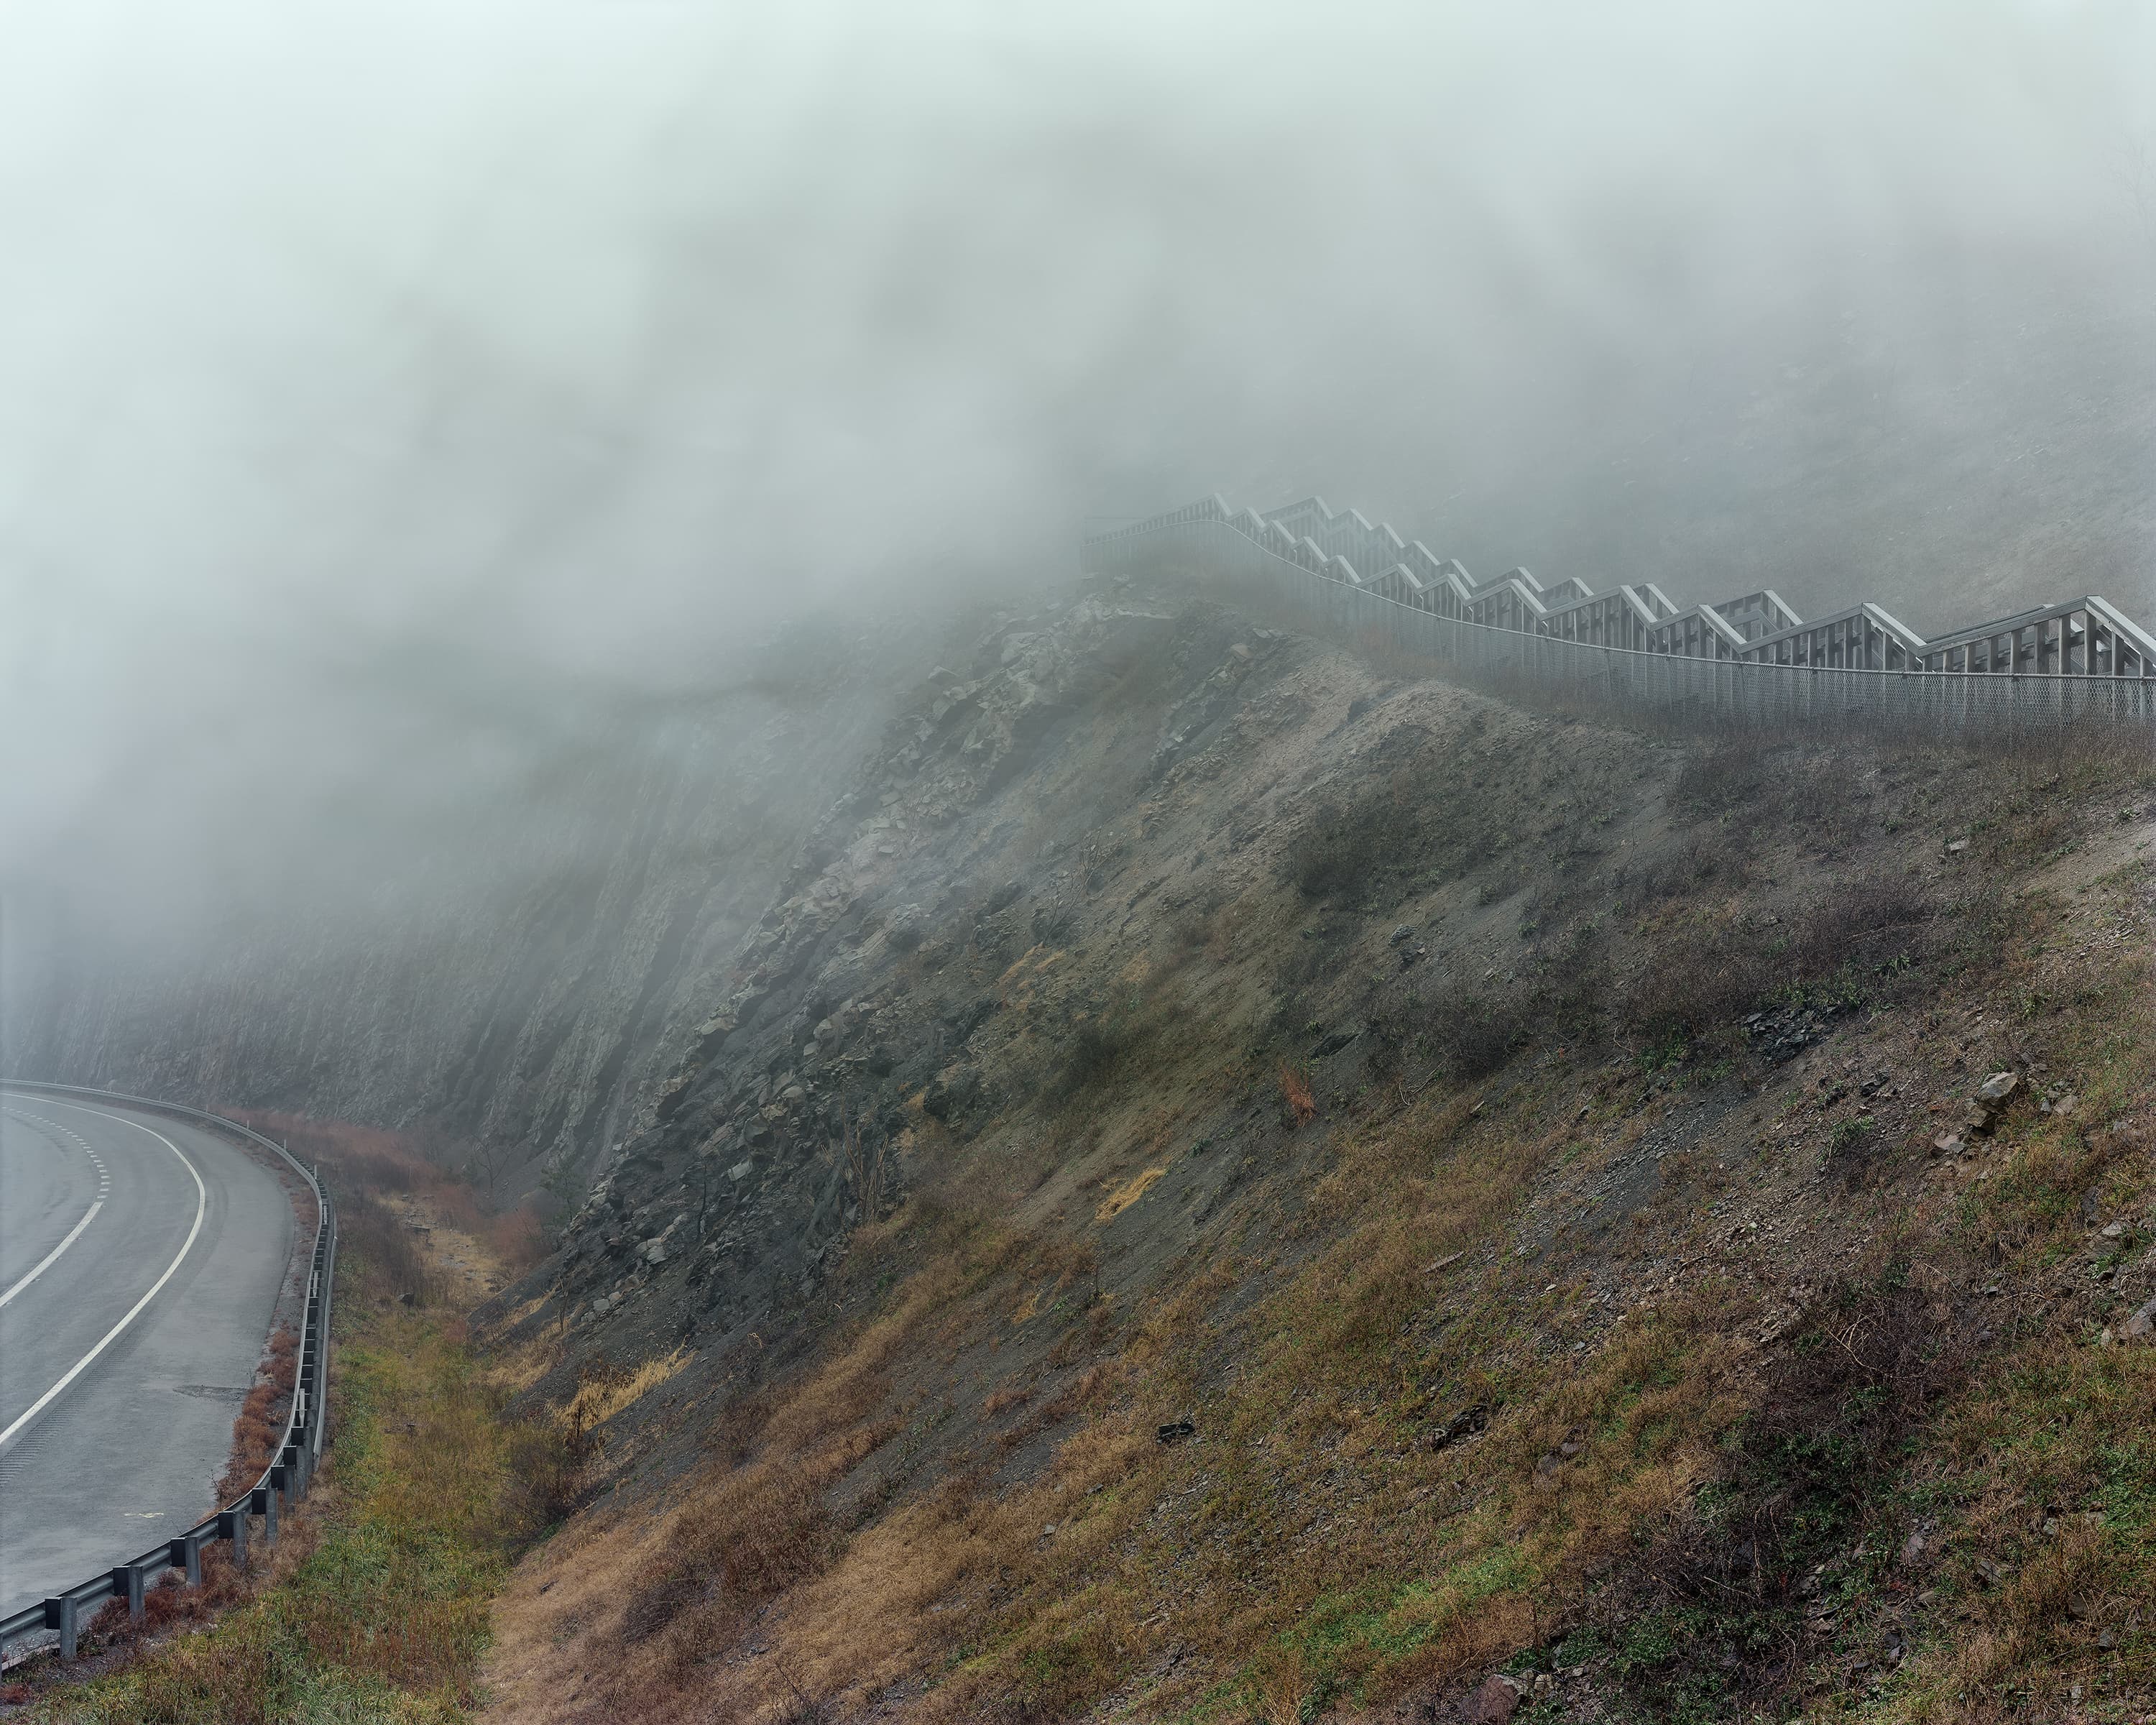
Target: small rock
1997, 1088
1949, 1144
2114, 1230
1463, 1424
1402, 935
2067, 1104
1176, 1430
741, 1171
2141, 1325
2107, 1641
1913, 1550
1957, 847
1496, 1701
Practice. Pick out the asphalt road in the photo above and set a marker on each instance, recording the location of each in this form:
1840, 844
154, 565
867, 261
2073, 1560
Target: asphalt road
141, 1261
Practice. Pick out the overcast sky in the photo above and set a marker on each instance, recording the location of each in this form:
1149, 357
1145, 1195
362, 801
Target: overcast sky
376, 379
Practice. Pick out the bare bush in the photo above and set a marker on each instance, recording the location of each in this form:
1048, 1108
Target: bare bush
1473, 1034
1872, 937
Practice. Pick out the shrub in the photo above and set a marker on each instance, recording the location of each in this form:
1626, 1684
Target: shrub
1427, 816
1871, 936
1475, 1036
548, 1474
1833, 1418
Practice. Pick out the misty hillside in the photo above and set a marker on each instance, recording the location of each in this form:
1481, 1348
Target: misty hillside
1229, 1185
513, 987
918, 1133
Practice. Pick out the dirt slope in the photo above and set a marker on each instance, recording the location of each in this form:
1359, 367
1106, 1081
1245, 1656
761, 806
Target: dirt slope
1229, 1185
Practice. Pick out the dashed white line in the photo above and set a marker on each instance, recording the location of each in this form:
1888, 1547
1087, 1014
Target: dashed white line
201, 1205
90, 1215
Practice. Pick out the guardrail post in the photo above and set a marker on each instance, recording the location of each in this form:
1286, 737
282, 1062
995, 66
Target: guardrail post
263, 1501
60, 1615
127, 1584
186, 1554
231, 1524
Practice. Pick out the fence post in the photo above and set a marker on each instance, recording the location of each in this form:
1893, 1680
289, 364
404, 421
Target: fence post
231, 1524
263, 1501
60, 1615
186, 1554
128, 1582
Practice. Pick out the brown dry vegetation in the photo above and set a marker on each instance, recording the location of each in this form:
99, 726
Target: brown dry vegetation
256, 1433
365, 1165
1571, 1334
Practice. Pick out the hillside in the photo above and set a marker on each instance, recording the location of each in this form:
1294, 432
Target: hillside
1232, 1182
529, 965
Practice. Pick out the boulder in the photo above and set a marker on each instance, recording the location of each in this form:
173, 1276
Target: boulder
1496, 1701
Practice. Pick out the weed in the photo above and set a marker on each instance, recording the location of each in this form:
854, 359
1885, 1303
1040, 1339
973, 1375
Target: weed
1475, 1036
1296, 1098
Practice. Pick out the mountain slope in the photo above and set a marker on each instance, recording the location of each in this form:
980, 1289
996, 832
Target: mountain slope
1232, 1184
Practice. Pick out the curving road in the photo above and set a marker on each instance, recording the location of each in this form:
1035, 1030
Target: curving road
141, 1261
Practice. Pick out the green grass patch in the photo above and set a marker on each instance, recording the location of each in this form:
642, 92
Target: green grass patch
386, 1618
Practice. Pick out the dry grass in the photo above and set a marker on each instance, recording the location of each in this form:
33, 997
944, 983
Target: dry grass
604, 1394
1301, 1106
376, 1607
959, 1508
371, 1163
261, 1424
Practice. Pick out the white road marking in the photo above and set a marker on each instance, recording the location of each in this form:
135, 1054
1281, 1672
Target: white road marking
134, 1311
90, 1215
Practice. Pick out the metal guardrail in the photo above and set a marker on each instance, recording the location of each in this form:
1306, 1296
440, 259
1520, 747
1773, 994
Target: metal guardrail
282, 1483
2081, 662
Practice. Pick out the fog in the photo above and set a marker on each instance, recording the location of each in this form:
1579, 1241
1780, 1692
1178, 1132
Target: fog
389, 392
